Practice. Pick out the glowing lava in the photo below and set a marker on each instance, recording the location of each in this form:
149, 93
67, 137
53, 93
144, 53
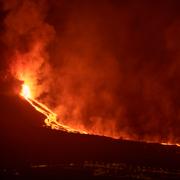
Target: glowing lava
25, 92
51, 117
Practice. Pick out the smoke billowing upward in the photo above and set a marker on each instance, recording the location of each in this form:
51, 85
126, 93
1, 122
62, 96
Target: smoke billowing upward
27, 36
107, 67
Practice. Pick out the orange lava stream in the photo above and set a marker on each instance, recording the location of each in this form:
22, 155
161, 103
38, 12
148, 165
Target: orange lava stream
170, 144
51, 117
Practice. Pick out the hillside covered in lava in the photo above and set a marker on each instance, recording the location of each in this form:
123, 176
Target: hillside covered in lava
25, 142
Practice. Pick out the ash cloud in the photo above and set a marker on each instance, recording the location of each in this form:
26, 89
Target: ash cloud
114, 65
26, 37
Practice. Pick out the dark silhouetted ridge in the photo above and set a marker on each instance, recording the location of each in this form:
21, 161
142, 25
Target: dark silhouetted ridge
25, 142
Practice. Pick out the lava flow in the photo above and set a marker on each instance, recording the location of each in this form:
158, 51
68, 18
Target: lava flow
51, 117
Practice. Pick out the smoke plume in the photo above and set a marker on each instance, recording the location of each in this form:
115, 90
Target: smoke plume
106, 67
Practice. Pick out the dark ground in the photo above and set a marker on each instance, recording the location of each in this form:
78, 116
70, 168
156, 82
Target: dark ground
30, 151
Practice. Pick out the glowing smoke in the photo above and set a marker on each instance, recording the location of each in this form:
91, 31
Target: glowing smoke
110, 68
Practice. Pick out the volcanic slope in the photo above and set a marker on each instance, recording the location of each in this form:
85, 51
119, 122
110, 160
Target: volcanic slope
26, 144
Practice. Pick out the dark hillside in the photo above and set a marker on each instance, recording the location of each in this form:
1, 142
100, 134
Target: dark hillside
25, 143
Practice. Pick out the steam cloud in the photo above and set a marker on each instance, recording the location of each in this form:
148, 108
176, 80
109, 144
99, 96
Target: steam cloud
110, 68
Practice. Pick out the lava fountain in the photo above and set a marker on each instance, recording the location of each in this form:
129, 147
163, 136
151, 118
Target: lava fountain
51, 117
25, 92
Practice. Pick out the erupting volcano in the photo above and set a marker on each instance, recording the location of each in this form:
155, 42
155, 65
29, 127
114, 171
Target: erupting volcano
98, 68
90, 86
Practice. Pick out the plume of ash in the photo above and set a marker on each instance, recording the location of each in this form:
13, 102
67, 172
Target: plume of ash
115, 64
118, 70
27, 37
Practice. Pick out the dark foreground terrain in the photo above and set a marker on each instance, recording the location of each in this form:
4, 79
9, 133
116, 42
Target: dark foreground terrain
31, 151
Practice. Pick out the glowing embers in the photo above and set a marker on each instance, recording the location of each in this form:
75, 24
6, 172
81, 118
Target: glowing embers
25, 92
